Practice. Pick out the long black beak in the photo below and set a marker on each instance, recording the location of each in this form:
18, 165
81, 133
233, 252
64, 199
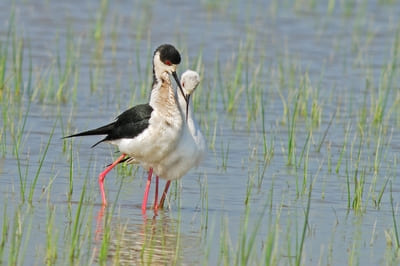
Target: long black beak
186, 97
187, 105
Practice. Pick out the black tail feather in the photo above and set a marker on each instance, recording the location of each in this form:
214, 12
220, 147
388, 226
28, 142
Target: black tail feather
97, 143
104, 130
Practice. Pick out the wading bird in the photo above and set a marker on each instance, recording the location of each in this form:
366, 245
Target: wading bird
189, 151
147, 133
191, 146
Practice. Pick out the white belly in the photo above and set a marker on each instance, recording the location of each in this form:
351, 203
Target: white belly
188, 153
154, 143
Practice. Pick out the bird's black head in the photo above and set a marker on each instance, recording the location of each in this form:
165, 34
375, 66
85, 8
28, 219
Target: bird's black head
168, 54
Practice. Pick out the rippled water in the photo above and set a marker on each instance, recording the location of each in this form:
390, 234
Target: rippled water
339, 59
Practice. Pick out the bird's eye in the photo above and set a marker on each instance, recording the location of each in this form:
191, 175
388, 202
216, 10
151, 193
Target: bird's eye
167, 62
183, 84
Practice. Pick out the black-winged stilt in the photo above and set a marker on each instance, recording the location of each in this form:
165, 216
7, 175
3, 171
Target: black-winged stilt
147, 132
191, 146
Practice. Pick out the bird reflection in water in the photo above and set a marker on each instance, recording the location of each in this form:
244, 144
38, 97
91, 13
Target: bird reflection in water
149, 241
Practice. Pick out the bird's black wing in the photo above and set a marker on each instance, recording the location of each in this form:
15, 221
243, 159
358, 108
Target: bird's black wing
129, 124
135, 114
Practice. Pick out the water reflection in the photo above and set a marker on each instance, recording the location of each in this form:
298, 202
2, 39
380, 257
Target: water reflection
156, 240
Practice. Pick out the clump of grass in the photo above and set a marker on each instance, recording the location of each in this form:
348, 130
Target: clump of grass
358, 175
378, 199
300, 100
245, 251
19, 234
377, 160
51, 238
12, 88
16, 237
310, 105
58, 82
286, 81
255, 91
106, 231
68, 75
17, 138
247, 240
380, 98
233, 86
78, 233
106, 238
225, 245
41, 161
23, 173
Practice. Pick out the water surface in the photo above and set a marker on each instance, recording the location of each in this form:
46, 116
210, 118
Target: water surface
341, 63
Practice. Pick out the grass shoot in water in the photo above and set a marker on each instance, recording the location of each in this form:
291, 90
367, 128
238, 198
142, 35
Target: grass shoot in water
76, 233
104, 251
19, 234
17, 138
359, 181
4, 232
34, 181
51, 237
291, 148
71, 173
299, 252
17, 60
396, 233
204, 205
343, 150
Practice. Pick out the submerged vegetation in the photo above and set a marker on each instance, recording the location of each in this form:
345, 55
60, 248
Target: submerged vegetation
300, 109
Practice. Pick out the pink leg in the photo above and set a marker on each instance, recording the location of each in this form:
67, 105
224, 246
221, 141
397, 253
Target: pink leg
156, 196
103, 174
99, 224
161, 205
146, 191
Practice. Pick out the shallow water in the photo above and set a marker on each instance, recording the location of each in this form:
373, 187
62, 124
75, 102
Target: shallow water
336, 59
